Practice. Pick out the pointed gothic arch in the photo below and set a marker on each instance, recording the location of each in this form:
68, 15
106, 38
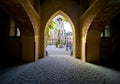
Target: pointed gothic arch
93, 22
59, 12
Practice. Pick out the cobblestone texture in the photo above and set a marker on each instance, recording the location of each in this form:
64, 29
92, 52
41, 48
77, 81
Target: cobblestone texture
59, 70
56, 70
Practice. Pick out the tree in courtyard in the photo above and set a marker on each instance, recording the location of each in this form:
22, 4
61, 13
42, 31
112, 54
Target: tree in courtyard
50, 27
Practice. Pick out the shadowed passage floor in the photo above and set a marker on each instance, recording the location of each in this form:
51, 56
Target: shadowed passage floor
59, 69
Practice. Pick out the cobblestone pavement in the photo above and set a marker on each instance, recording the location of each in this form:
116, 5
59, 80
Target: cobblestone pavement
53, 51
60, 69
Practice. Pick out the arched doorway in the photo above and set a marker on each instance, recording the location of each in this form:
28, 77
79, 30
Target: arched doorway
97, 46
93, 23
28, 27
60, 14
15, 39
110, 44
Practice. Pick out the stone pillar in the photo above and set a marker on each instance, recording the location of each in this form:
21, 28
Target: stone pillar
39, 45
83, 48
77, 50
27, 48
77, 43
37, 48
93, 46
38, 31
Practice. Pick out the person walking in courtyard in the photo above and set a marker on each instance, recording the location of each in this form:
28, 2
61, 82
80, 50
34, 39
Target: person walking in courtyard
70, 46
67, 46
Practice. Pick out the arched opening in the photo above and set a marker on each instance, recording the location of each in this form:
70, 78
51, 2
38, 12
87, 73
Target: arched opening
100, 37
110, 44
13, 45
10, 43
63, 31
93, 32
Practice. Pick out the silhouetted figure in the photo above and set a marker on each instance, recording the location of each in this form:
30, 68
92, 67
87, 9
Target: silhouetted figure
67, 46
70, 46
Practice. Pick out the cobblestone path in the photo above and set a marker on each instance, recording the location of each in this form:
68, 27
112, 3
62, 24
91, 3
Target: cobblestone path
58, 69
53, 51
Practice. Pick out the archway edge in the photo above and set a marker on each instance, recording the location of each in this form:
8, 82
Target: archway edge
35, 20
85, 22
25, 19
102, 16
100, 22
90, 17
60, 12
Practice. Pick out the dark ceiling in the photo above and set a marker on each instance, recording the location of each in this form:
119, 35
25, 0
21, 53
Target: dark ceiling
78, 1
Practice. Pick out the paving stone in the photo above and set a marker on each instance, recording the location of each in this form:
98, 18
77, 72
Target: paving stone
60, 70
57, 69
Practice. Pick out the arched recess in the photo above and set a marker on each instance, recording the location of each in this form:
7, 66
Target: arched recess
95, 13
27, 19
35, 21
59, 12
85, 22
97, 26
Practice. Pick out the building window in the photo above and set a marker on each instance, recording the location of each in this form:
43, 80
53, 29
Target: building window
106, 32
18, 32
